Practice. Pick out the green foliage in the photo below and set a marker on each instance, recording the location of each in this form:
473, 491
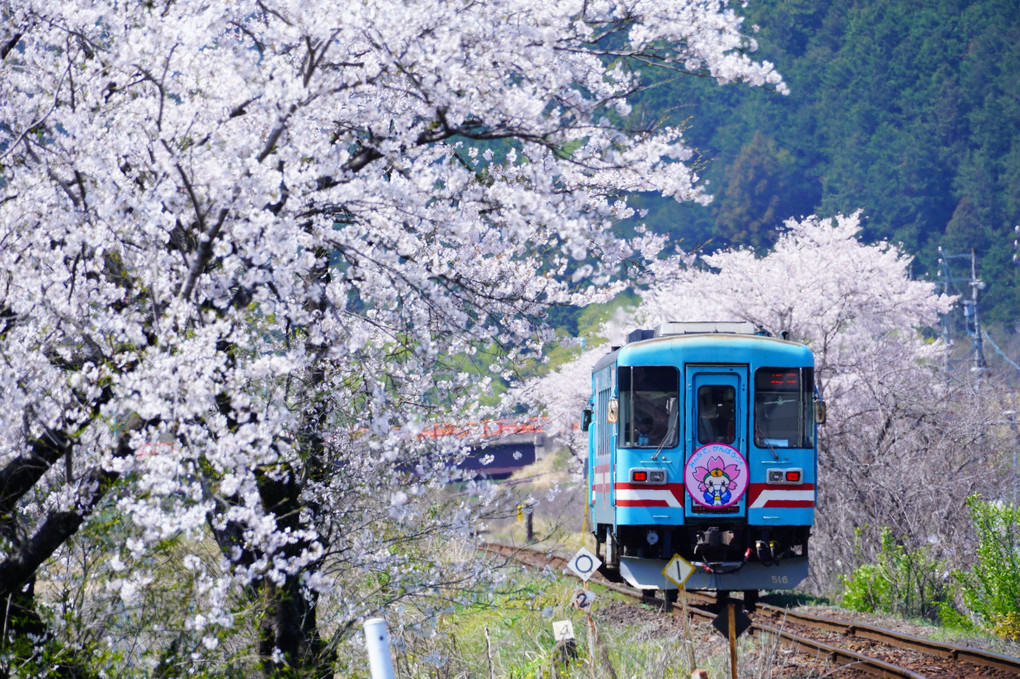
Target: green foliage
908, 111
756, 196
867, 589
992, 589
902, 581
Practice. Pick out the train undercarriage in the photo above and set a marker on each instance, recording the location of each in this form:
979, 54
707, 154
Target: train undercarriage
728, 557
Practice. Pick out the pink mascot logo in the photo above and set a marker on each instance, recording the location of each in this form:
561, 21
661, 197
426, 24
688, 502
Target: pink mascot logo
716, 475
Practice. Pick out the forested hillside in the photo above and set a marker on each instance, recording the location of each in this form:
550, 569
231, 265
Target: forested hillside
908, 111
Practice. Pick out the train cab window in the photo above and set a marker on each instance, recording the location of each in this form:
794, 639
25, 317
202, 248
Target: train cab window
649, 406
717, 414
783, 402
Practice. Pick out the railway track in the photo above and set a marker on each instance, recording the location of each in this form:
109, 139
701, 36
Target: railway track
856, 649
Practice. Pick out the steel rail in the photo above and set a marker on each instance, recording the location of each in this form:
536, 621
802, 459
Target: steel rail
905, 641
839, 657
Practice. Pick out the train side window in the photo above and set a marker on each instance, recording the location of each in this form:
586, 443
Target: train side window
717, 414
648, 406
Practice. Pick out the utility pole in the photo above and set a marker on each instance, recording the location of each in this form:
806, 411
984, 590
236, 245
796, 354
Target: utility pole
1016, 245
1012, 415
972, 318
976, 343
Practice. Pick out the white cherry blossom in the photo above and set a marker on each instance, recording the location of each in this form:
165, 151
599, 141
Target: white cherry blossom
269, 235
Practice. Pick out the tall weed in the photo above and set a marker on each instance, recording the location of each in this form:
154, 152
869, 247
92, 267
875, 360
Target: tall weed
991, 590
902, 581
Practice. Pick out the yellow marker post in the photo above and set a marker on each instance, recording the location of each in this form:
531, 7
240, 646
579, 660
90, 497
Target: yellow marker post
678, 571
733, 638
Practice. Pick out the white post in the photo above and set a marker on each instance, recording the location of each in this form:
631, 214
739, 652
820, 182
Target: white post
378, 642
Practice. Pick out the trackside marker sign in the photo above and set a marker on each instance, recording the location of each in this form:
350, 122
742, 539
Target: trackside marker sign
678, 570
584, 564
582, 599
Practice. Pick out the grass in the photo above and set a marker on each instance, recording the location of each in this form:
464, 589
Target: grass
511, 637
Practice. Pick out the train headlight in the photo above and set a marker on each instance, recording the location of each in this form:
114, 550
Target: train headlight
785, 476
648, 476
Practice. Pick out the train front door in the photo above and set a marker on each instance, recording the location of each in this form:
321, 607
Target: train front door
715, 435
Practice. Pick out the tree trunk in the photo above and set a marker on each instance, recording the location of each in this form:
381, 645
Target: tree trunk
289, 626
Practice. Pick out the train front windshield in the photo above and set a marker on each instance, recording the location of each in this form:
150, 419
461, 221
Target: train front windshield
784, 408
649, 406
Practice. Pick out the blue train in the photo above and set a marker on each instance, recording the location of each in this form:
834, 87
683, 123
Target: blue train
702, 443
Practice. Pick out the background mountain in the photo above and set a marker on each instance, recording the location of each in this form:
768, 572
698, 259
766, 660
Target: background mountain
908, 111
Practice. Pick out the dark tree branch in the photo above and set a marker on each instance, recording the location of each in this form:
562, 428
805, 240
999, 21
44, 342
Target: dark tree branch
22, 563
10, 44
23, 472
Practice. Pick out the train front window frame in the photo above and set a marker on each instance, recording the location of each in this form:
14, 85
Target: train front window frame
649, 406
784, 407
717, 414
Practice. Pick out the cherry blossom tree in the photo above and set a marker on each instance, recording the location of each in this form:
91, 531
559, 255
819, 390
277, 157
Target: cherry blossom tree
564, 391
245, 247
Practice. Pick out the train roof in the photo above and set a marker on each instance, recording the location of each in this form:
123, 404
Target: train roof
698, 341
